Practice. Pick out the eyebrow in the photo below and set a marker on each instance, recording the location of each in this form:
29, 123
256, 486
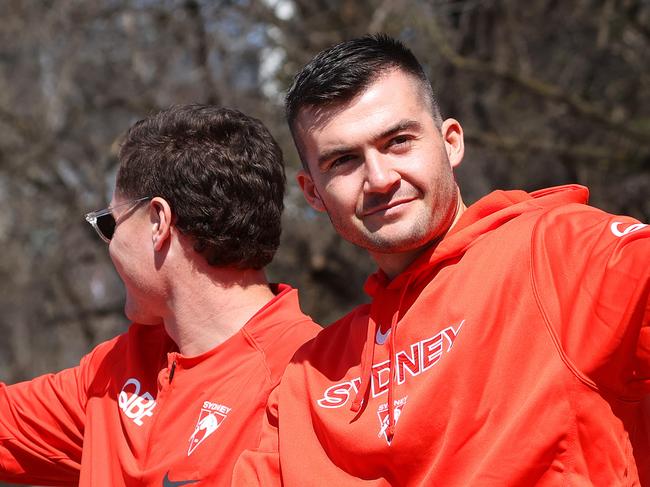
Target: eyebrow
395, 129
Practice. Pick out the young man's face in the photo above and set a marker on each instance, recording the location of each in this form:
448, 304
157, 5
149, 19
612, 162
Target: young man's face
380, 167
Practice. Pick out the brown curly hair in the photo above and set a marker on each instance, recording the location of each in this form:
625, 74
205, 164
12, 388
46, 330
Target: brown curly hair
221, 172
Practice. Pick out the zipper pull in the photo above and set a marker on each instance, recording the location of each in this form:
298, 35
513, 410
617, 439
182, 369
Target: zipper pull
171, 371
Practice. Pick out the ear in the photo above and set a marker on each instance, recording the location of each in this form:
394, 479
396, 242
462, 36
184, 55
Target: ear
161, 222
452, 136
309, 190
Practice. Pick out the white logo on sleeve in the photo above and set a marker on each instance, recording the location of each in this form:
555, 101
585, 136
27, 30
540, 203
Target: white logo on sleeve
212, 415
134, 405
615, 228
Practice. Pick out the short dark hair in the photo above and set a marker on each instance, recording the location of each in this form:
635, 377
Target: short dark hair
221, 172
340, 73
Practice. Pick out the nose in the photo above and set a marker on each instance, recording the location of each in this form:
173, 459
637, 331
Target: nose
380, 176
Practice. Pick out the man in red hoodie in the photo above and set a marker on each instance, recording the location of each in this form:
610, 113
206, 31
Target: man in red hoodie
506, 344
194, 219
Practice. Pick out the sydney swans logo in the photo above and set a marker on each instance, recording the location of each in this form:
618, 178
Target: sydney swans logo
212, 415
383, 412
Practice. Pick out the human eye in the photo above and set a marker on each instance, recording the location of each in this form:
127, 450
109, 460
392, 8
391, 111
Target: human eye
400, 141
342, 161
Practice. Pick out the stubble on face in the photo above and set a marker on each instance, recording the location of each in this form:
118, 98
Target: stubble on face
416, 231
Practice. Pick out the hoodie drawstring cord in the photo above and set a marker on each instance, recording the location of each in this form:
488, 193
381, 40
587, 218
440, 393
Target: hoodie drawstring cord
367, 357
391, 350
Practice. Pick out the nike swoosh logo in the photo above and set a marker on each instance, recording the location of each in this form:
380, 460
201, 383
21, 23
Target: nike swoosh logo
381, 337
176, 483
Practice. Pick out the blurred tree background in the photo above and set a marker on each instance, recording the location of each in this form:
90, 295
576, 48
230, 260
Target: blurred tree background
548, 91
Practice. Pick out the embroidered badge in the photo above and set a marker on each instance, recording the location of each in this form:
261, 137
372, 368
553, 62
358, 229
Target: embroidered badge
212, 416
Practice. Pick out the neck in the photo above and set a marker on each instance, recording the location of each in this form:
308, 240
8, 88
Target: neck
395, 263
209, 305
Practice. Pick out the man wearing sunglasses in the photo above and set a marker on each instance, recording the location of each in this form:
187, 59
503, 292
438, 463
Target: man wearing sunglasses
194, 219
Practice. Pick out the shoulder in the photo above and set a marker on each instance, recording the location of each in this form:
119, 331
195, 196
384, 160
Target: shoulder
576, 214
339, 341
280, 323
278, 330
578, 228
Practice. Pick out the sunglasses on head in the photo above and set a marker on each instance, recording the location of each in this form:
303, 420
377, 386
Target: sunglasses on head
104, 222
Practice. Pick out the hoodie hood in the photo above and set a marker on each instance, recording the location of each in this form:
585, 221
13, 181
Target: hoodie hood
484, 216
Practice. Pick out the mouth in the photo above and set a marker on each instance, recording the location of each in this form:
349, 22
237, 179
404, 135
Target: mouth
384, 208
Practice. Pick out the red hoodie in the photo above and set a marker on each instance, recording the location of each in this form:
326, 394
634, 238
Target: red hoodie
519, 352
136, 412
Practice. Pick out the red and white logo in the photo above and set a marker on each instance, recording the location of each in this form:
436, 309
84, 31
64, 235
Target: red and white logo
617, 231
419, 358
212, 415
383, 412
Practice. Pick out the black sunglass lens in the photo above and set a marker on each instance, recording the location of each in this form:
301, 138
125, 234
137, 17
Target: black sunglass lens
106, 225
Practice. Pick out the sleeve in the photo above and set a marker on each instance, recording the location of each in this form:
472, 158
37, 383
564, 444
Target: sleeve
261, 466
591, 277
42, 428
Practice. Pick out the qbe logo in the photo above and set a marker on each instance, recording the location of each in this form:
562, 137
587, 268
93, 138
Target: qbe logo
134, 405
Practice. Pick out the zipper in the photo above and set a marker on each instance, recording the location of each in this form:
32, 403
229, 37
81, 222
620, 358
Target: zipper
171, 371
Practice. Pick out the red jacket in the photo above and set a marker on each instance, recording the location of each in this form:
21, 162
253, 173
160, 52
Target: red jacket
135, 412
515, 353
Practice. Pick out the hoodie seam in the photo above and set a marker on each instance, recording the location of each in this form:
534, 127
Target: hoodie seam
547, 320
580, 375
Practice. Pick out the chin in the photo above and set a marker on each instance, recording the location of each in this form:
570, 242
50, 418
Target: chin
393, 243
